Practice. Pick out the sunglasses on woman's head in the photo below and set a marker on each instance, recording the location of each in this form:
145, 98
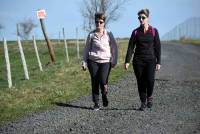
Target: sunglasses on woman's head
101, 22
141, 17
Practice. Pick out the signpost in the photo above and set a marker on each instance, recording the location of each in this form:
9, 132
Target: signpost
41, 14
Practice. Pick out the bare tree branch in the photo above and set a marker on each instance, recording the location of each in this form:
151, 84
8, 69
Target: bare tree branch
1, 26
111, 8
1, 29
25, 28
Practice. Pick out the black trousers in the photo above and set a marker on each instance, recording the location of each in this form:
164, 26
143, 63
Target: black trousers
145, 74
99, 73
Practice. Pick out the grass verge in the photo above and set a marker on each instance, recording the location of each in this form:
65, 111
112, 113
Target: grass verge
62, 82
187, 42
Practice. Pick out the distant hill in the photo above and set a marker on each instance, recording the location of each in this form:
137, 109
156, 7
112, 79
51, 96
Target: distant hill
189, 29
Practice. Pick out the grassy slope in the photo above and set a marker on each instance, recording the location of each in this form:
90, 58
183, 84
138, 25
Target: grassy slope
194, 42
188, 41
61, 82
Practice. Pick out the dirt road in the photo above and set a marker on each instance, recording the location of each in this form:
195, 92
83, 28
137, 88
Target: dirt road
176, 106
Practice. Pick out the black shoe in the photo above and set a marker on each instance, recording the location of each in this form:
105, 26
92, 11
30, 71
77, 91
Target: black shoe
105, 103
96, 107
142, 107
149, 104
105, 100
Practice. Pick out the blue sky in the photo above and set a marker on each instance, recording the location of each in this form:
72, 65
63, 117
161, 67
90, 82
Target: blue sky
164, 15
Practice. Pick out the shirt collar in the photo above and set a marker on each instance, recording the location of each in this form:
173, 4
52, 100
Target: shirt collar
149, 28
104, 32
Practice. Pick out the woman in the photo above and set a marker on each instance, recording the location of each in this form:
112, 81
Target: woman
145, 44
100, 54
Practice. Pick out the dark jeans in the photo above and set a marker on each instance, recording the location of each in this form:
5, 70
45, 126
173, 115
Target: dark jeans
99, 73
145, 75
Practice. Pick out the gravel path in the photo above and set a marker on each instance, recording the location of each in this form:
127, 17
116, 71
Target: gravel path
176, 106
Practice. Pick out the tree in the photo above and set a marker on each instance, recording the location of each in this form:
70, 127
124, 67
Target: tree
1, 27
111, 8
25, 27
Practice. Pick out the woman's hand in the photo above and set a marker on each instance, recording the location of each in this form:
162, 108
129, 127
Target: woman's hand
158, 67
113, 65
126, 65
84, 65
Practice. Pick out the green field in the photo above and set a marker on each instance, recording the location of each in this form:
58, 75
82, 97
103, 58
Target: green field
193, 42
187, 42
62, 82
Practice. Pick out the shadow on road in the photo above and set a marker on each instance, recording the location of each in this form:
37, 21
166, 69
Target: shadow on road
72, 106
90, 108
120, 109
164, 80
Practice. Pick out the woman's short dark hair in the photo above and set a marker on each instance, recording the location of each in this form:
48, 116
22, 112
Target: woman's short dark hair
100, 16
144, 11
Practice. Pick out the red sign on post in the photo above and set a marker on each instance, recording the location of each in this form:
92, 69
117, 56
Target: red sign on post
41, 14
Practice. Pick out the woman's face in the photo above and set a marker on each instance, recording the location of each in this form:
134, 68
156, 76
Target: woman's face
143, 19
99, 23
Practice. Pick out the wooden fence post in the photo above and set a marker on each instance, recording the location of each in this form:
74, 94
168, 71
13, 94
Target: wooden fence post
50, 48
37, 54
77, 43
23, 59
66, 47
7, 64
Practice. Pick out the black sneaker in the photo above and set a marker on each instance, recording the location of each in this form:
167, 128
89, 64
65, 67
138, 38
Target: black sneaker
105, 100
149, 104
105, 103
142, 107
96, 107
